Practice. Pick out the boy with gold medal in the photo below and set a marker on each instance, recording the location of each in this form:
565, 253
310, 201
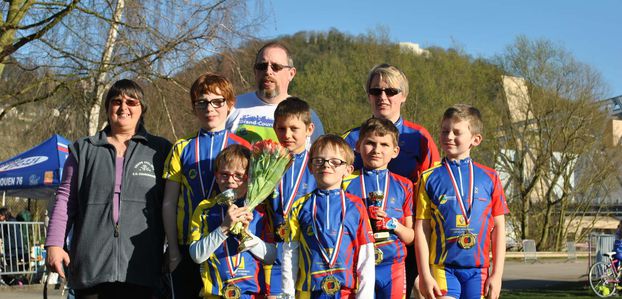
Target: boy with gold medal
329, 252
226, 271
389, 201
460, 216
293, 127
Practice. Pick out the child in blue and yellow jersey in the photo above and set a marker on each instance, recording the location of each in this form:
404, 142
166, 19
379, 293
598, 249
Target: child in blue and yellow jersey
329, 252
227, 272
189, 174
389, 201
460, 216
293, 127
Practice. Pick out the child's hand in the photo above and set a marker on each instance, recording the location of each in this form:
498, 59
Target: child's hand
373, 212
428, 287
492, 287
246, 218
233, 215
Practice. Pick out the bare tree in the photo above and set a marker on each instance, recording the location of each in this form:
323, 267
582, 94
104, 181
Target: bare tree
102, 41
551, 124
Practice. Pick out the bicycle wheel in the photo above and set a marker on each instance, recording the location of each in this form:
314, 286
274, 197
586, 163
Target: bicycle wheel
603, 280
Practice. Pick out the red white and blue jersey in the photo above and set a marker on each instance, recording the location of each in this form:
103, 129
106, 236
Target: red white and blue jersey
296, 182
398, 203
226, 265
333, 225
437, 201
191, 163
418, 151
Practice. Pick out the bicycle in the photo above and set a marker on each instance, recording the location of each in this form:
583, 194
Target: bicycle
605, 276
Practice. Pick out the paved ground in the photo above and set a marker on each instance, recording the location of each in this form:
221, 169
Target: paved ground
543, 274
517, 275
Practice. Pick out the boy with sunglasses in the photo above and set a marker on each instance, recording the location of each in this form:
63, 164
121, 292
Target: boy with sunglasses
389, 201
189, 171
387, 90
225, 271
253, 115
293, 126
460, 216
329, 252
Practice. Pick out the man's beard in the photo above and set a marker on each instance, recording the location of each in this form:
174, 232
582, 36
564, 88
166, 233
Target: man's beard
268, 94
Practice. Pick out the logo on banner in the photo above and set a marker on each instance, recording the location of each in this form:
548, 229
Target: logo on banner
34, 179
48, 178
23, 162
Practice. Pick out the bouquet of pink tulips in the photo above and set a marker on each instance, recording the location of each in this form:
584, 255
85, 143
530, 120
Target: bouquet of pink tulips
269, 161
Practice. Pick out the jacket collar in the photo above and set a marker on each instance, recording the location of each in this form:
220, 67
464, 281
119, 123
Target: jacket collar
101, 137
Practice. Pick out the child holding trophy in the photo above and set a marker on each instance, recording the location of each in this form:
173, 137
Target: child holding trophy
226, 270
389, 201
328, 254
460, 216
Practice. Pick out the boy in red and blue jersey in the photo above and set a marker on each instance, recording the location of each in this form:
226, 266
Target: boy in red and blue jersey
387, 90
460, 216
293, 127
189, 174
329, 251
226, 271
389, 201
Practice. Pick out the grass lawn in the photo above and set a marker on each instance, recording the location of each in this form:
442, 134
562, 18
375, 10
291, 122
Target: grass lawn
570, 290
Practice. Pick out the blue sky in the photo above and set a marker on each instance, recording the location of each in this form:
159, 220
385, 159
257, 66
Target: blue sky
590, 30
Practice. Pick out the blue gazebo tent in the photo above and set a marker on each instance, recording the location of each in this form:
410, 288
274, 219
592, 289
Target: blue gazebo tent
35, 173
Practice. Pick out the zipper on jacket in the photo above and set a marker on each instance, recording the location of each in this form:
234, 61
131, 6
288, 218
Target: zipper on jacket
116, 230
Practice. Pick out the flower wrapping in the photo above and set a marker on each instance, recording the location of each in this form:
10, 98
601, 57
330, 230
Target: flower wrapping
269, 161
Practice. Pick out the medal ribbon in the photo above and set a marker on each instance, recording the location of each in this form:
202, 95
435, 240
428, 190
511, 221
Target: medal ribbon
197, 151
466, 213
330, 259
386, 188
287, 206
238, 259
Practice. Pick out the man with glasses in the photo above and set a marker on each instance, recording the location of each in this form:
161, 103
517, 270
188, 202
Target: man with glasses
253, 115
387, 90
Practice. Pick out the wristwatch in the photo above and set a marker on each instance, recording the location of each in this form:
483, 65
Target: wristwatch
392, 224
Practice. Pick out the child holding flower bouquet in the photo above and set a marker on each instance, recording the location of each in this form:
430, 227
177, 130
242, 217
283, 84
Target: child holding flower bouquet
329, 254
227, 272
293, 127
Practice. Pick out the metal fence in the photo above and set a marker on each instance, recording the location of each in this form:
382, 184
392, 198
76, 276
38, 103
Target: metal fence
599, 244
21, 247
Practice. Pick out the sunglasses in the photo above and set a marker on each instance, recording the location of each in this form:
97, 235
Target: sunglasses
128, 102
263, 66
333, 162
201, 105
388, 91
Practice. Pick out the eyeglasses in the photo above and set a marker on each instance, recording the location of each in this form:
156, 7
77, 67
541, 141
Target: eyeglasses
333, 162
263, 66
129, 102
388, 91
236, 176
202, 104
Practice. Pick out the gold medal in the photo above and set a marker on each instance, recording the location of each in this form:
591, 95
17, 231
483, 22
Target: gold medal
231, 291
281, 231
379, 255
466, 240
330, 285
